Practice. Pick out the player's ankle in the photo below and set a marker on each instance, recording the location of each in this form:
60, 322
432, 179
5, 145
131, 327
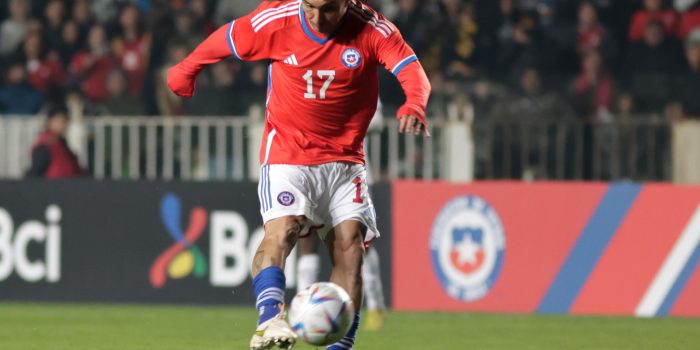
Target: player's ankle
269, 287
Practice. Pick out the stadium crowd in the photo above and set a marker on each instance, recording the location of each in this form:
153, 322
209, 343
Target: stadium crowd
590, 60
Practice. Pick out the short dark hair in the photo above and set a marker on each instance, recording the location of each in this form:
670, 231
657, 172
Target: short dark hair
57, 111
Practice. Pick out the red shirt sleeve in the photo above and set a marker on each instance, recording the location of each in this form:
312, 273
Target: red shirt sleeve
416, 85
398, 58
393, 52
246, 38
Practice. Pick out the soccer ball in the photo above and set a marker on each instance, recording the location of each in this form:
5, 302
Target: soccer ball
321, 314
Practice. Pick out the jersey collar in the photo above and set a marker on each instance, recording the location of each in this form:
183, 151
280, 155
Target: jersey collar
311, 33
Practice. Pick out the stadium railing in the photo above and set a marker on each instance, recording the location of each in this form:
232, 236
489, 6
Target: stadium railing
227, 148
637, 148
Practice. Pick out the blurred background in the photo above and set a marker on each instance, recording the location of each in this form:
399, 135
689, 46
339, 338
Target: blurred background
522, 89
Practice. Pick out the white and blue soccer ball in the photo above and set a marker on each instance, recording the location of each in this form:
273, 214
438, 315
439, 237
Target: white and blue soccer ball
321, 314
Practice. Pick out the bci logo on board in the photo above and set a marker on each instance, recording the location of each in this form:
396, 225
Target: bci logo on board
231, 246
15, 239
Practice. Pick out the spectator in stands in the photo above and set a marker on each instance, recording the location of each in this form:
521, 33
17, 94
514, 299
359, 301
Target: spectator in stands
91, 67
593, 102
690, 80
523, 50
51, 157
650, 69
690, 20
506, 20
70, 42
459, 58
184, 28
16, 95
83, 17
44, 69
593, 35
13, 29
53, 23
497, 21
653, 11
202, 21
133, 48
530, 101
484, 97
34, 25
593, 89
534, 111
120, 103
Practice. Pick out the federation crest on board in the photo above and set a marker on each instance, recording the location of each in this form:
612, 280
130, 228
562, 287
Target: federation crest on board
467, 244
351, 58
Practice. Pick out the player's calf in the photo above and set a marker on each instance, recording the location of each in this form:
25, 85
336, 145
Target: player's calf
346, 245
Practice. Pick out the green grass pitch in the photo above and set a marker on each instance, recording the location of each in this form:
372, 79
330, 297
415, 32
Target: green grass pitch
129, 327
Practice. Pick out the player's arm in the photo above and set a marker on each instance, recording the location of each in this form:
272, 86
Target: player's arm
182, 76
416, 86
400, 60
237, 39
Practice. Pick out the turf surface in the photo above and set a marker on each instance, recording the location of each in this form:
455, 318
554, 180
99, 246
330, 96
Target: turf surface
128, 327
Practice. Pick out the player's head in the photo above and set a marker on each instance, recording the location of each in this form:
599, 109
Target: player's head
57, 120
325, 15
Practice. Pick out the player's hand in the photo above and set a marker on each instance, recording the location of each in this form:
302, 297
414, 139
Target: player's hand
181, 83
409, 124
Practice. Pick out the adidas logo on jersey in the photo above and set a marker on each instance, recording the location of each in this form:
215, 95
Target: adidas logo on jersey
292, 60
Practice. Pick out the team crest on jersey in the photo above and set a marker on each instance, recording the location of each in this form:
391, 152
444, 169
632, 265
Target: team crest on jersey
285, 198
467, 244
351, 58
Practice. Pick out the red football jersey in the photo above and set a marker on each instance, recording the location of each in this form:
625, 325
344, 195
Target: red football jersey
322, 91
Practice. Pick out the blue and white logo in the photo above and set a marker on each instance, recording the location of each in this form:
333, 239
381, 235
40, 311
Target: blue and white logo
285, 198
467, 245
351, 58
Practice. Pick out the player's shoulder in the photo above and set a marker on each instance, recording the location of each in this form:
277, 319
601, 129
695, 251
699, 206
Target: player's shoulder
374, 22
275, 4
273, 15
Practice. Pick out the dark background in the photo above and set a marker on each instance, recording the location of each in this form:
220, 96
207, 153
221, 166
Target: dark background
112, 232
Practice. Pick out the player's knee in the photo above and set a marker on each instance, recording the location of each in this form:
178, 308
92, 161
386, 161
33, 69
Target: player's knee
353, 253
286, 230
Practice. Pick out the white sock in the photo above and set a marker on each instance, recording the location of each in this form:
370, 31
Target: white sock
307, 270
371, 277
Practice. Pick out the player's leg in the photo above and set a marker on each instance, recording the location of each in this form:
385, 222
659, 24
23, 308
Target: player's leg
354, 224
309, 263
269, 282
286, 207
346, 244
374, 291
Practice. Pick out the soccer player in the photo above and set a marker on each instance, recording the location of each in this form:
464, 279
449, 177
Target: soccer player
322, 93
